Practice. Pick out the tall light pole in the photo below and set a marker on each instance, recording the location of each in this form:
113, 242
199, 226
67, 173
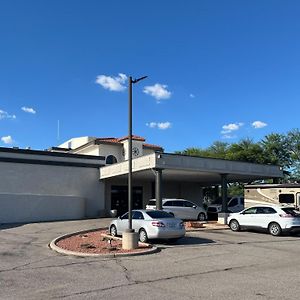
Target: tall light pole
130, 82
128, 238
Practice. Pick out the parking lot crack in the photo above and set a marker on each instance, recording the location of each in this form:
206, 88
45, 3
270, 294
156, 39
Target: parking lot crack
145, 282
23, 266
125, 270
26, 266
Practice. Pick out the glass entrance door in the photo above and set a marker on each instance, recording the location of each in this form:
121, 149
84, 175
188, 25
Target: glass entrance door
119, 198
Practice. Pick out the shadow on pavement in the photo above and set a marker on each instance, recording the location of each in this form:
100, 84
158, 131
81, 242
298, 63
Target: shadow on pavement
11, 225
187, 240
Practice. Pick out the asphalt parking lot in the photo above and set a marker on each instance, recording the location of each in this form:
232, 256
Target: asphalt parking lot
210, 264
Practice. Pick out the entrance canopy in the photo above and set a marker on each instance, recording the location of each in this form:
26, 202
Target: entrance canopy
206, 171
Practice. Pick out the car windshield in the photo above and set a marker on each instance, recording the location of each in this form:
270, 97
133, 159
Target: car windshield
158, 214
291, 211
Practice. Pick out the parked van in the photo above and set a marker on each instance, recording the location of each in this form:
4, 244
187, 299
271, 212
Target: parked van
234, 204
272, 194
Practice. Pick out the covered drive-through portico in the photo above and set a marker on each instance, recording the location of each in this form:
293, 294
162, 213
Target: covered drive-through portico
183, 173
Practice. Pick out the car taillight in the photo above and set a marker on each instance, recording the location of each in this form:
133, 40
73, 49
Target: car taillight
286, 216
158, 224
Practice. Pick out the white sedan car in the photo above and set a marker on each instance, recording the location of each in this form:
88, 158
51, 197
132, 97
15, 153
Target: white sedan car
273, 218
150, 224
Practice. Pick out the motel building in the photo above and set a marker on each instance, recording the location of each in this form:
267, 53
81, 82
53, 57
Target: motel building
86, 177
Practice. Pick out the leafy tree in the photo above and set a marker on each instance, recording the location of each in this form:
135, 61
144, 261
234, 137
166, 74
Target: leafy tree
192, 152
293, 141
246, 150
218, 150
276, 151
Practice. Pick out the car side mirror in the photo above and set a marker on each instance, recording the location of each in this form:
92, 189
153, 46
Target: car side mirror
195, 206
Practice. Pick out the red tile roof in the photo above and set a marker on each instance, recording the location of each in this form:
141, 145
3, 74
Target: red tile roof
114, 140
152, 146
134, 137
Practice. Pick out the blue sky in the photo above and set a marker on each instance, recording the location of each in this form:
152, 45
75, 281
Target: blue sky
217, 70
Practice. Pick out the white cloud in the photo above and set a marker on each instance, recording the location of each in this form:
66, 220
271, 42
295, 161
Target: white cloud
259, 124
164, 125
115, 84
151, 124
158, 91
28, 110
7, 139
231, 127
6, 115
228, 136
160, 125
192, 96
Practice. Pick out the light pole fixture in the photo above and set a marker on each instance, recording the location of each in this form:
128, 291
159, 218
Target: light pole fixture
130, 240
130, 82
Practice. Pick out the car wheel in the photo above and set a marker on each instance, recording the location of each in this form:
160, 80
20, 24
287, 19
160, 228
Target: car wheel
143, 237
113, 230
275, 229
234, 225
201, 217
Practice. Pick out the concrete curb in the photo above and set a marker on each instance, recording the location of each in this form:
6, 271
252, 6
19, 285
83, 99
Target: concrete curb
205, 229
208, 227
54, 247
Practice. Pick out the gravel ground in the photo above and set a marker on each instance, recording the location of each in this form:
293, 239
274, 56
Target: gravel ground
94, 242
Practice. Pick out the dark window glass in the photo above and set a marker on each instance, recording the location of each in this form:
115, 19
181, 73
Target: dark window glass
188, 204
125, 216
110, 159
291, 211
233, 202
286, 198
265, 210
178, 203
158, 214
269, 210
260, 210
249, 211
169, 203
137, 215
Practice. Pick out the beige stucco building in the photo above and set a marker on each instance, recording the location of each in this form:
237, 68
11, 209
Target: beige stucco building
87, 177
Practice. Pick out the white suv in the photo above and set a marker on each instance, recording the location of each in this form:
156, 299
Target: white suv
181, 208
274, 218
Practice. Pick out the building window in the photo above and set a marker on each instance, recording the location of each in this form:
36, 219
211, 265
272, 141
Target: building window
110, 159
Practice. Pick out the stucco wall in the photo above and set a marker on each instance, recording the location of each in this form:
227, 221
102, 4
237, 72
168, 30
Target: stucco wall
114, 150
59, 182
147, 151
76, 142
32, 208
90, 150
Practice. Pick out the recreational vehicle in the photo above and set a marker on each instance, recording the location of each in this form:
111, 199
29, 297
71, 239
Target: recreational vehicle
272, 193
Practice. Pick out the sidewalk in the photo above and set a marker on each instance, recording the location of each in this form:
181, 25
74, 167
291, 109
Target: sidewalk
198, 226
